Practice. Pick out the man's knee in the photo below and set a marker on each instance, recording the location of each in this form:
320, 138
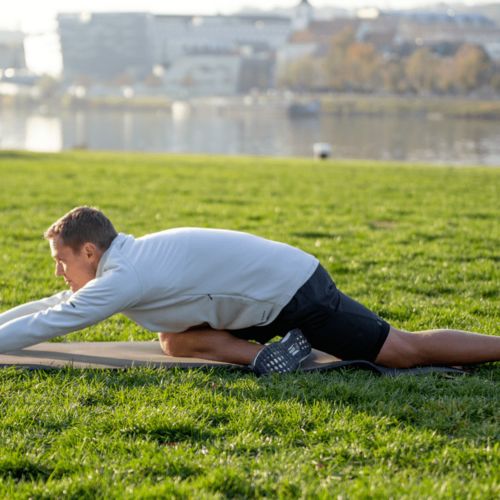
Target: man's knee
400, 350
172, 344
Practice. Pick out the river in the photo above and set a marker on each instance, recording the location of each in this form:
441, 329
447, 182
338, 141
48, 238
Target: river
255, 131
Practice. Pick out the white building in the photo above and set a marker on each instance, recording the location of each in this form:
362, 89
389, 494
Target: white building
180, 35
108, 45
12, 50
304, 14
192, 55
203, 74
299, 44
218, 55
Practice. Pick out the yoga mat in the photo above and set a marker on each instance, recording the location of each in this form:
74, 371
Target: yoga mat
115, 355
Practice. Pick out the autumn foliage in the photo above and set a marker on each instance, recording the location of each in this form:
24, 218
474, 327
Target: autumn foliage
353, 66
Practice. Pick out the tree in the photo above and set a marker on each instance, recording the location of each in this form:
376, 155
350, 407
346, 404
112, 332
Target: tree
153, 80
306, 73
472, 67
362, 64
445, 76
392, 75
48, 86
495, 80
420, 70
335, 61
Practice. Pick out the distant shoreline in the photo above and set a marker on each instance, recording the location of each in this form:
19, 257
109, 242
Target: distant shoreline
432, 106
332, 104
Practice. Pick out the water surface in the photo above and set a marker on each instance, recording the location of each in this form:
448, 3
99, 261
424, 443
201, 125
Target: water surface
255, 131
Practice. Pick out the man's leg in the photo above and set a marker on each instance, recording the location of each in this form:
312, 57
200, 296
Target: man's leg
450, 347
217, 345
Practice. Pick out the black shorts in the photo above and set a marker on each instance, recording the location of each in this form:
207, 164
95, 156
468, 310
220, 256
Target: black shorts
331, 321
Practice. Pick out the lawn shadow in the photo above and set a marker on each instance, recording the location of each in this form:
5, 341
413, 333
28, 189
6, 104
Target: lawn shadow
313, 234
19, 155
452, 406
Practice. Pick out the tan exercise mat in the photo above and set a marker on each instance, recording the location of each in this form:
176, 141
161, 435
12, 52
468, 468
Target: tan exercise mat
117, 355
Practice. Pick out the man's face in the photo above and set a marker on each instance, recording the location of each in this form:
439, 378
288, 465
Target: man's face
77, 267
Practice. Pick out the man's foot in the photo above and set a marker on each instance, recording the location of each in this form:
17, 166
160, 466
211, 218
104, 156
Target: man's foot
283, 356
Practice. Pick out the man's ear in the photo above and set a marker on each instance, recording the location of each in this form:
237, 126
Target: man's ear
90, 250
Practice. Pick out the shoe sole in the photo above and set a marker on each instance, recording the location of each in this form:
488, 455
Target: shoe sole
284, 356
296, 345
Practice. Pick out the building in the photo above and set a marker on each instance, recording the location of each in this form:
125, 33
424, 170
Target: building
433, 29
12, 53
179, 35
227, 54
303, 16
107, 46
203, 74
218, 55
378, 30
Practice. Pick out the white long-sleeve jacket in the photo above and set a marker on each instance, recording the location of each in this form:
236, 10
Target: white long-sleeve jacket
169, 282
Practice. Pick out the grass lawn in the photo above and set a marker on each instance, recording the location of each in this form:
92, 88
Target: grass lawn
418, 244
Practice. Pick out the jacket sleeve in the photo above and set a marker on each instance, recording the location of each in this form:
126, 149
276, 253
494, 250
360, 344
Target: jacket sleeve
97, 300
33, 307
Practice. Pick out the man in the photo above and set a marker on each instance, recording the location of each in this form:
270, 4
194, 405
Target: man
221, 289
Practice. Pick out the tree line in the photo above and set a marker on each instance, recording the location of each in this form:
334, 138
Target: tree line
349, 65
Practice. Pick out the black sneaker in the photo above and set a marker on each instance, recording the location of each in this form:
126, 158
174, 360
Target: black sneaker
283, 356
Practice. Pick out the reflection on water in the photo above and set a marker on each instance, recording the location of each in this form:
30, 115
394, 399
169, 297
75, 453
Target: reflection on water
257, 131
43, 133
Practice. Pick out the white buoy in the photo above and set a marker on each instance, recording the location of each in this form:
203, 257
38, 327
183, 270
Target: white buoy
322, 150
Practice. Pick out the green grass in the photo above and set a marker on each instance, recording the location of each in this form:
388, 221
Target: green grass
418, 244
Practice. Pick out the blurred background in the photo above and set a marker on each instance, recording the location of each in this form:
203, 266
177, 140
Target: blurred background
404, 80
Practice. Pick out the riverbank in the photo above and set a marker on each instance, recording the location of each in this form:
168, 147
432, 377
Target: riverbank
442, 106
336, 104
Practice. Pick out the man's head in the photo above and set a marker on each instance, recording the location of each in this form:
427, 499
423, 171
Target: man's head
77, 242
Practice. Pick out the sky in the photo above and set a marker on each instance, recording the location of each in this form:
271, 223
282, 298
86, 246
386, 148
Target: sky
37, 17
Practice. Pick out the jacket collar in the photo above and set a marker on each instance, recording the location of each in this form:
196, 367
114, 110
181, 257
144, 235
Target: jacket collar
116, 243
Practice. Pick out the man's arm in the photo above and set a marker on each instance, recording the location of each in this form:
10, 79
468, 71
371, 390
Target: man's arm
96, 301
33, 307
